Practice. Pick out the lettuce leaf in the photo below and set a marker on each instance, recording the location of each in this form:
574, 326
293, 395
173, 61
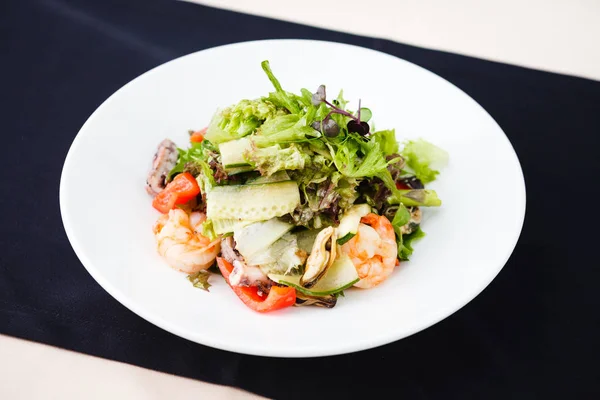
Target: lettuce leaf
347, 160
207, 230
424, 159
268, 160
196, 153
239, 120
280, 96
387, 141
286, 128
411, 197
405, 249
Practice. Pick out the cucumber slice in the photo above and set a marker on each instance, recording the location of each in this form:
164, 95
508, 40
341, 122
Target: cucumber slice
239, 170
279, 258
278, 176
258, 236
232, 153
252, 202
350, 220
221, 226
341, 275
306, 239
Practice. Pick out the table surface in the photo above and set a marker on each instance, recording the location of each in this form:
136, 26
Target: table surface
558, 36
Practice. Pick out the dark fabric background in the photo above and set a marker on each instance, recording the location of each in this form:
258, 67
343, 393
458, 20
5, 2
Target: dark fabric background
533, 333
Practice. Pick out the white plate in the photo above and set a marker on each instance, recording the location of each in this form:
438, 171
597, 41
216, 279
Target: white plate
108, 215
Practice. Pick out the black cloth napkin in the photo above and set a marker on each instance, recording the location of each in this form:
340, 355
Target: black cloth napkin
533, 333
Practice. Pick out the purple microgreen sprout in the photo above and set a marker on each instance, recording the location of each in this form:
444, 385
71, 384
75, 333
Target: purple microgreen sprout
328, 127
319, 96
354, 125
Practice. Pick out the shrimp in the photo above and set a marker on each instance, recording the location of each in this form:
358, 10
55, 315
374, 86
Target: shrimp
180, 244
373, 250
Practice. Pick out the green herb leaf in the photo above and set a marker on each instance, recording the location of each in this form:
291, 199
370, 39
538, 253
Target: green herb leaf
207, 230
405, 249
415, 197
340, 101
280, 96
401, 218
365, 114
350, 164
239, 120
306, 97
387, 141
424, 159
286, 128
200, 280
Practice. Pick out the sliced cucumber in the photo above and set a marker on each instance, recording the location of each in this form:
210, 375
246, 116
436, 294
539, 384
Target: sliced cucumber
341, 275
239, 170
279, 258
350, 221
278, 176
232, 153
252, 202
258, 236
306, 239
221, 226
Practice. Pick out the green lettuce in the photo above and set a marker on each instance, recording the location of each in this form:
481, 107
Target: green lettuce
207, 230
268, 160
305, 97
424, 159
197, 153
387, 141
286, 128
411, 197
239, 120
347, 160
280, 97
405, 249
347, 189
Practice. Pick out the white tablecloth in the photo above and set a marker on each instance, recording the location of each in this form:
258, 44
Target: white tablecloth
558, 36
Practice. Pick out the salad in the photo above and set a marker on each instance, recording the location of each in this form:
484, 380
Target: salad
292, 198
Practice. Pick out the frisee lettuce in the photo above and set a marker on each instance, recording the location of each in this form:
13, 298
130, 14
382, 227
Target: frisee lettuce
348, 161
268, 160
239, 120
387, 141
287, 128
197, 152
280, 96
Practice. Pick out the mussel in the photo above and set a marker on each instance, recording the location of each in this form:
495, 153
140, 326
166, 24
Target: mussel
413, 223
328, 301
321, 257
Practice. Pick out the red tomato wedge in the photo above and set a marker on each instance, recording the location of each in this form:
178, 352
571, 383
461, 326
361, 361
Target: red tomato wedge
179, 191
198, 136
278, 297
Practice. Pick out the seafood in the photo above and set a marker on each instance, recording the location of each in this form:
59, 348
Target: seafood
321, 257
164, 160
242, 274
180, 243
373, 250
327, 301
413, 223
